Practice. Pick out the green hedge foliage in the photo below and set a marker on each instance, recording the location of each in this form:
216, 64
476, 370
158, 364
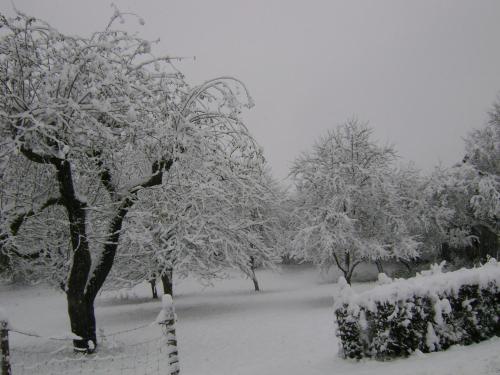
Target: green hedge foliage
429, 312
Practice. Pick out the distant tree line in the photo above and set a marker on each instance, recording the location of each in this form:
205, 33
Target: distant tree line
353, 203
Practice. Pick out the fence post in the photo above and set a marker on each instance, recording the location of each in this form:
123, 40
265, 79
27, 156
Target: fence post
4, 346
166, 319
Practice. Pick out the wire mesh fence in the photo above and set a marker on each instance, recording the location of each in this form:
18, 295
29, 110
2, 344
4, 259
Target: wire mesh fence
148, 350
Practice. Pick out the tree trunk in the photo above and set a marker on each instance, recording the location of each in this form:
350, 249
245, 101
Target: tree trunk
253, 276
153, 288
348, 271
80, 305
379, 266
255, 282
82, 319
347, 276
166, 280
407, 265
81, 289
4, 259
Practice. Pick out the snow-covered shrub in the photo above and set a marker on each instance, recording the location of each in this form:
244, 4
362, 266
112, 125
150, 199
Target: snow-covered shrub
429, 312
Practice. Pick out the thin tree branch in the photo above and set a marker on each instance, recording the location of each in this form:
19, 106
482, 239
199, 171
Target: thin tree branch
19, 220
105, 263
338, 263
37, 158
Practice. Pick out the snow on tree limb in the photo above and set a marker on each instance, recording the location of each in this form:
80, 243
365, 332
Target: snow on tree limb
96, 122
349, 202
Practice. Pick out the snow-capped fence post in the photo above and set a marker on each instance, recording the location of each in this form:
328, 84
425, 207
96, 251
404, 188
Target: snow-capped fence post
4, 347
166, 319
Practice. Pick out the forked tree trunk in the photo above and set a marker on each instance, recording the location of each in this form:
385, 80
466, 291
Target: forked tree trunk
380, 269
82, 286
80, 303
347, 267
347, 276
166, 280
92, 283
406, 264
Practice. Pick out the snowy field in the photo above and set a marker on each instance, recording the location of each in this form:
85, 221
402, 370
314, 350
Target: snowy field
227, 328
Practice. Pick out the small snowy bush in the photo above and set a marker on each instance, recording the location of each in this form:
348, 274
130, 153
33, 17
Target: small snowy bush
429, 312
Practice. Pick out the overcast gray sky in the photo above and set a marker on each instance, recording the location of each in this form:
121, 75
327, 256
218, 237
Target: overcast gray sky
423, 73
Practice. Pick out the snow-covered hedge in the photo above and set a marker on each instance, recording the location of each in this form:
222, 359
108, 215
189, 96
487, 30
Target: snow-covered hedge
429, 312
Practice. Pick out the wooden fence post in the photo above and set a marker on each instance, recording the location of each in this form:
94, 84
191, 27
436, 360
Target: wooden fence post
166, 319
4, 348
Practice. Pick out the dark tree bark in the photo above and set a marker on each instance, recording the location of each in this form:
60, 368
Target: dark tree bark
380, 269
82, 320
167, 281
80, 304
82, 287
348, 267
4, 262
348, 274
407, 265
347, 277
253, 276
101, 271
154, 291
255, 282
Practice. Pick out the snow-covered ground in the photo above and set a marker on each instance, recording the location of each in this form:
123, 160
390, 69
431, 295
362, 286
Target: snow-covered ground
228, 329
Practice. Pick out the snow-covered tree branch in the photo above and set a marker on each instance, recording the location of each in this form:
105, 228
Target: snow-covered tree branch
349, 203
96, 122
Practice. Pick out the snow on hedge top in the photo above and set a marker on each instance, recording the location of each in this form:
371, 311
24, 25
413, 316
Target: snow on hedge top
430, 283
